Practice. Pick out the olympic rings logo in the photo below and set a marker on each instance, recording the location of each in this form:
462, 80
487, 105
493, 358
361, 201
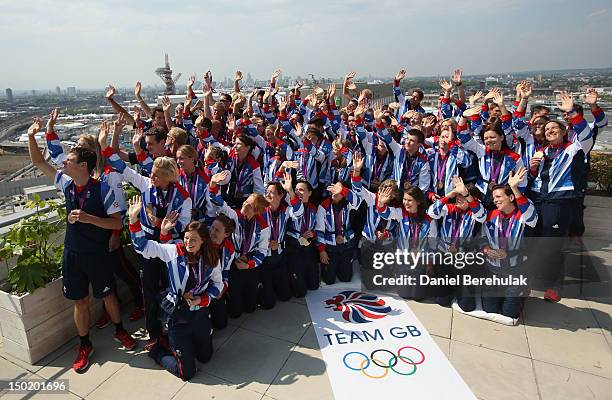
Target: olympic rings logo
391, 364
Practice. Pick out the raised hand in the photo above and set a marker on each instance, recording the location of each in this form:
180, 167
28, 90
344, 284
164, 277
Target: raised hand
456, 78
349, 76
52, 119
385, 195
331, 90
471, 111
591, 97
567, 102
275, 74
135, 204
110, 92
219, 177
358, 161
400, 75
169, 222
336, 188
137, 89
35, 127
445, 85
103, 134
515, 178
429, 122
474, 98
491, 94
190, 83
136, 139
208, 80
459, 186
118, 124
288, 183
498, 98
237, 76
166, 104
526, 89
136, 115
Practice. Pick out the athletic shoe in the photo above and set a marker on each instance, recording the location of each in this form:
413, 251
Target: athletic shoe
136, 314
103, 321
552, 295
150, 344
125, 339
81, 363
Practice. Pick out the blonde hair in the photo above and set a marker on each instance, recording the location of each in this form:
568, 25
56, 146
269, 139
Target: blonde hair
179, 135
259, 203
188, 151
93, 145
168, 166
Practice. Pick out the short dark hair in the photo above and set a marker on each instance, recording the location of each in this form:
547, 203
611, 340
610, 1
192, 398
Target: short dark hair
227, 222
418, 133
155, 110
538, 108
246, 140
85, 155
279, 188
159, 133
472, 190
506, 188
305, 182
419, 92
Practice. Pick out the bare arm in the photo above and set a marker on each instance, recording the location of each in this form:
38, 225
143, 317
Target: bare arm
145, 107
118, 109
35, 155
237, 78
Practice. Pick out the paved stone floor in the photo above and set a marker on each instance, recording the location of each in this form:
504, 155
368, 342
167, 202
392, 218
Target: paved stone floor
558, 351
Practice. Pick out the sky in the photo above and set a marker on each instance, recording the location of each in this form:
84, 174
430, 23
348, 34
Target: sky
63, 43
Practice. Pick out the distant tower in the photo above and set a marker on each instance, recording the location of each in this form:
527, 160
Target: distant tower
33, 93
165, 73
58, 91
71, 91
9, 95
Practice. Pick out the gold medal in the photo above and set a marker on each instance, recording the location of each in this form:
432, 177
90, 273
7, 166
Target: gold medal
440, 185
340, 239
303, 241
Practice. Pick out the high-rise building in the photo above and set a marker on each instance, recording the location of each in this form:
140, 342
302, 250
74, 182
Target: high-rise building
71, 91
58, 91
9, 95
33, 93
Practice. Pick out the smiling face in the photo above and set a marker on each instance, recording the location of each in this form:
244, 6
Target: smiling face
159, 119
192, 241
184, 162
154, 147
303, 192
503, 201
410, 204
537, 129
72, 167
445, 138
272, 195
554, 133
492, 140
159, 178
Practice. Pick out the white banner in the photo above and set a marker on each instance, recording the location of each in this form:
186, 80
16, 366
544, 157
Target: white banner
375, 348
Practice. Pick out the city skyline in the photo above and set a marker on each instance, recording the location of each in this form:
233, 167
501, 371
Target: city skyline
91, 45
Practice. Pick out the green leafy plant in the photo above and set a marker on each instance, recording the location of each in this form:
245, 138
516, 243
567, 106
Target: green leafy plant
39, 257
601, 171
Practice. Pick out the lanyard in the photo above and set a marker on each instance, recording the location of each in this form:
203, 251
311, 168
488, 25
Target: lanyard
441, 167
414, 231
78, 198
249, 229
456, 226
274, 221
197, 269
305, 220
378, 167
337, 219
408, 167
495, 169
164, 200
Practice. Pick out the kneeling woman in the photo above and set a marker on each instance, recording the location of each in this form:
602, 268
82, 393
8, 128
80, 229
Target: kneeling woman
194, 276
503, 230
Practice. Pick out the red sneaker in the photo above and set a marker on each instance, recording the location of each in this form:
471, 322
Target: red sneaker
81, 363
125, 339
150, 344
552, 295
137, 314
103, 321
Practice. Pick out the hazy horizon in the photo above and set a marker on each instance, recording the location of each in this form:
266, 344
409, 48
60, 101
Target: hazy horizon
89, 46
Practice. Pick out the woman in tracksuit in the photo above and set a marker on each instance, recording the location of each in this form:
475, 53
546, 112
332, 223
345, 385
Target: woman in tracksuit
377, 230
335, 234
503, 232
251, 240
161, 194
458, 222
273, 273
415, 232
300, 242
556, 188
194, 276
195, 180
